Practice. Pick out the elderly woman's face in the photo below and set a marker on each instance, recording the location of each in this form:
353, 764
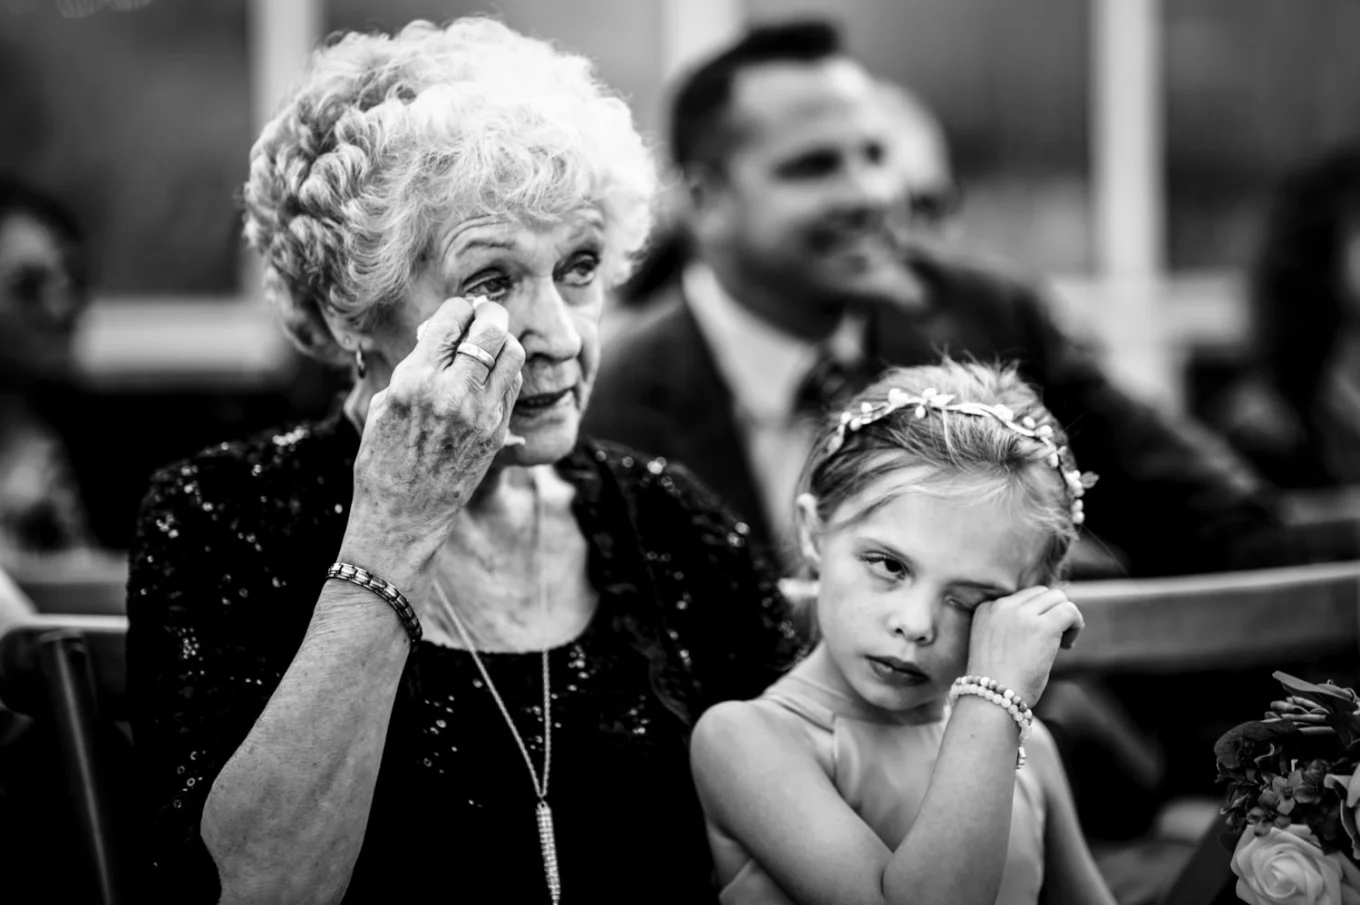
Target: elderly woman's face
548, 280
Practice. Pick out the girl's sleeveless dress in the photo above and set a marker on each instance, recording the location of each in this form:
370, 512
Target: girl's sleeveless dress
882, 771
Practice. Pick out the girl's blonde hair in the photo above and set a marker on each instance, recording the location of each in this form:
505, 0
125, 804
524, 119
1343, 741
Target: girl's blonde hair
957, 455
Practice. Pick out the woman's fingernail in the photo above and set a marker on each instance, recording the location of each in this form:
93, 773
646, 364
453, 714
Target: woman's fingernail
513, 440
478, 301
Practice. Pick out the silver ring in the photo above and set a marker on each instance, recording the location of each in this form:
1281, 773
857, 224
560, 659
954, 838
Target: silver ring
474, 351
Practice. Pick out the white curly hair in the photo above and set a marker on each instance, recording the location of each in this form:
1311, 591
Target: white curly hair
387, 139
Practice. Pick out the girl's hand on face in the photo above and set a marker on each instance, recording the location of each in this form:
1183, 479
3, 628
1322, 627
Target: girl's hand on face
1015, 639
431, 435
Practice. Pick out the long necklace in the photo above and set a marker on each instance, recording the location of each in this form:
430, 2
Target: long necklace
547, 840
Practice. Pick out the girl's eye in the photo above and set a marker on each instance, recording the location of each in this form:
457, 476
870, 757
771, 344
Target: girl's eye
493, 287
966, 604
581, 270
885, 566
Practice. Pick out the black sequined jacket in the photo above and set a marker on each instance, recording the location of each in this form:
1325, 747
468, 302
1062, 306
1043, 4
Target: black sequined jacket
231, 552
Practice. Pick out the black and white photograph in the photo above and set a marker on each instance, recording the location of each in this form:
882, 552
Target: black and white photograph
680, 452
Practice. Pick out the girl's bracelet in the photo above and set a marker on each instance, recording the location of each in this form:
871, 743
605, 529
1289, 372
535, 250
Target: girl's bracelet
1003, 697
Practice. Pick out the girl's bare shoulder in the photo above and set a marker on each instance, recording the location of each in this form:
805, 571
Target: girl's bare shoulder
758, 730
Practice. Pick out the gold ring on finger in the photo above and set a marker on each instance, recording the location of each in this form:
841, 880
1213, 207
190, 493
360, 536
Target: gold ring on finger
475, 351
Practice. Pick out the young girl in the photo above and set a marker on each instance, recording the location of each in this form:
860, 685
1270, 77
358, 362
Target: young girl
900, 762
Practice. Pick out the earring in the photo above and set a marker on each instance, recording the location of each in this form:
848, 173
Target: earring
359, 364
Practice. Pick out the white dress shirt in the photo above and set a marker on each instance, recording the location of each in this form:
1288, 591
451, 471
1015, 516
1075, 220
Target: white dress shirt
763, 368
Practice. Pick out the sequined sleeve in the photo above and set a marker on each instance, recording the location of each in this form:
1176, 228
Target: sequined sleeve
741, 635
208, 644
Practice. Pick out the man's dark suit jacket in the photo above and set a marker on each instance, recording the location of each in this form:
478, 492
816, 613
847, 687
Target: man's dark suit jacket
1171, 498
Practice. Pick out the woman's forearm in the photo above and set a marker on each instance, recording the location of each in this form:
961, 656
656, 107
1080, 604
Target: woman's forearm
955, 851
285, 818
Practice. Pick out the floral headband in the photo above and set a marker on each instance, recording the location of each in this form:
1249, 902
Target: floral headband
1058, 456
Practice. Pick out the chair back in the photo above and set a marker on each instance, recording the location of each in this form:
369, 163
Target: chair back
22, 675
1230, 620
68, 674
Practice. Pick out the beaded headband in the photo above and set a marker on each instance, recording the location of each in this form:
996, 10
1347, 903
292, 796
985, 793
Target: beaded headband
1058, 456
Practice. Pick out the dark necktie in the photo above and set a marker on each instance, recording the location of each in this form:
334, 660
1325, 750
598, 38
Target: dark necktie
829, 386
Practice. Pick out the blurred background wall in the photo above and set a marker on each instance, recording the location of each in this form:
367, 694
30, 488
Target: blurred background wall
1122, 147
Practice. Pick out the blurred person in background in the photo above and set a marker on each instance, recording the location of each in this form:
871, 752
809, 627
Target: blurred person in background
928, 205
1296, 414
810, 275
929, 197
43, 294
390, 651
43, 525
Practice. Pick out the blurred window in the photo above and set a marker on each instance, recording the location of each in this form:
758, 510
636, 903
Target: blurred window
1253, 88
141, 121
624, 37
1010, 81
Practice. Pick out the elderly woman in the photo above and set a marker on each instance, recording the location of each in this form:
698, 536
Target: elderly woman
440, 641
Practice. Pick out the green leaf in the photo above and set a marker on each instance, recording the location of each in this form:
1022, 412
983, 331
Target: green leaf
1239, 746
1308, 689
1342, 704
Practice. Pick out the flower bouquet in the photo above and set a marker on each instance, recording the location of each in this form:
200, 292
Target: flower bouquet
1294, 796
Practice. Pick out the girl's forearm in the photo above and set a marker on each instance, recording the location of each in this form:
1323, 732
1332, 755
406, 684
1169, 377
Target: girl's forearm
955, 851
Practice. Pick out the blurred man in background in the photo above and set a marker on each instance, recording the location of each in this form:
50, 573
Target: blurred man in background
929, 205
816, 212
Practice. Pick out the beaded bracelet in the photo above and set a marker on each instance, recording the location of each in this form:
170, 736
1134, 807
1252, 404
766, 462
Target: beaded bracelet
384, 589
1003, 697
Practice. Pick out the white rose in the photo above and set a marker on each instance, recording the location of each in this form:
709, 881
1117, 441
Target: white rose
1286, 867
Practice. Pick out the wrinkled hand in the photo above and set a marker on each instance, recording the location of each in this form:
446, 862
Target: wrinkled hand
429, 438
1015, 639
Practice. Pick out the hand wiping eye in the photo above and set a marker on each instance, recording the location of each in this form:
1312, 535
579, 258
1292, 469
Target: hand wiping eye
511, 440
476, 302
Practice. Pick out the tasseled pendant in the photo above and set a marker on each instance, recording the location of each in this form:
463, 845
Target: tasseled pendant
549, 843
